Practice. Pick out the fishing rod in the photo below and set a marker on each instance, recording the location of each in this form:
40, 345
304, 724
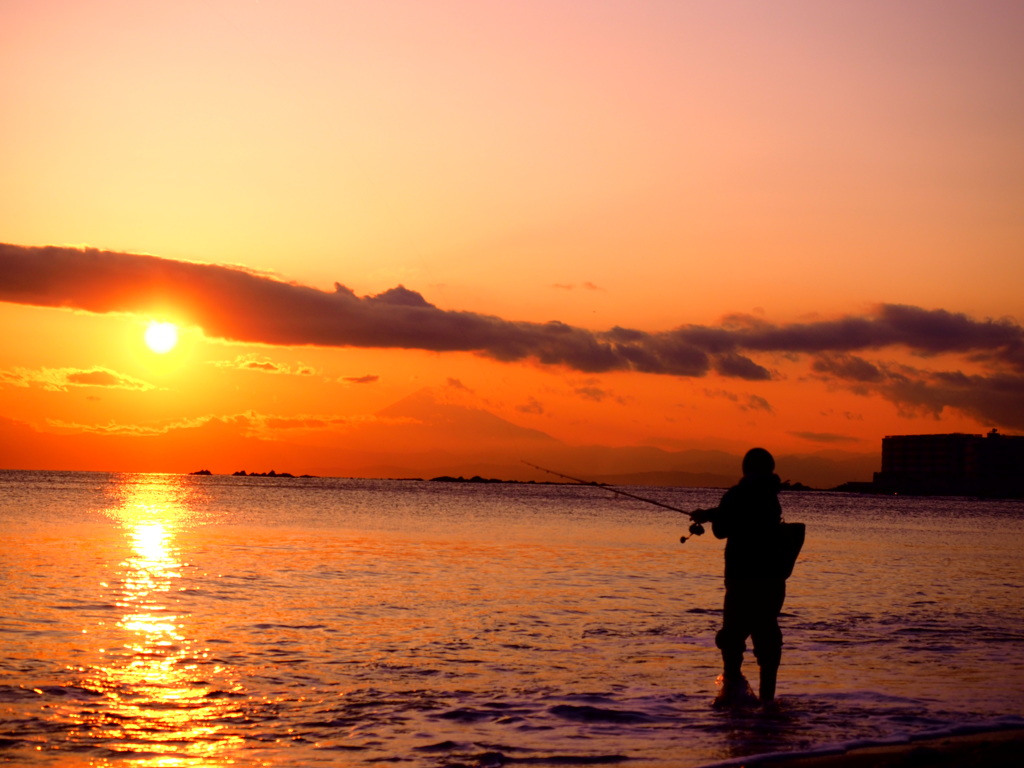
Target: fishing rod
696, 529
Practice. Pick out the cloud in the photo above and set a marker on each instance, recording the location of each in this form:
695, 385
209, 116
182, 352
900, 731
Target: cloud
60, 379
825, 437
923, 332
103, 378
249, 423
264, 365
280, 423
592, 393
757, 403
532, 405
745, 402
368, 379
722, 393
244, 306
995, 398
140, 430
591, 388
991, 400
740, 367
849, 367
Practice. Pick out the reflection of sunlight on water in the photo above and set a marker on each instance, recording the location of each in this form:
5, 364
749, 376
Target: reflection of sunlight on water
160, 708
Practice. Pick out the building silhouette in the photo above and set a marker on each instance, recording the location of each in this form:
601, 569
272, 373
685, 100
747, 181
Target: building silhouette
953, 464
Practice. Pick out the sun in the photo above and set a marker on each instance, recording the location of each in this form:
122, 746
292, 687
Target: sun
161, 337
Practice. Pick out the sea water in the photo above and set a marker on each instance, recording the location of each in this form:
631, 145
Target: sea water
168, 620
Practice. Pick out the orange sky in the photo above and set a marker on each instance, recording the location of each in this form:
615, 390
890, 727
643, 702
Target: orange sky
806, 214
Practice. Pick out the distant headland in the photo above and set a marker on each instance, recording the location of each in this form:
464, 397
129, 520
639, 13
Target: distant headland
983, 466
786, 486
243, 473
475, 479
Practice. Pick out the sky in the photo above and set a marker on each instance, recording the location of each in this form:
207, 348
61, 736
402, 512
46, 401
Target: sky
419, 237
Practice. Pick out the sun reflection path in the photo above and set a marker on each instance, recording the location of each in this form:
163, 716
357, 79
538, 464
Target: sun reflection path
159, 705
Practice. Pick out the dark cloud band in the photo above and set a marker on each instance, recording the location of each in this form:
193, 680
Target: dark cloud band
241, 306
238, 305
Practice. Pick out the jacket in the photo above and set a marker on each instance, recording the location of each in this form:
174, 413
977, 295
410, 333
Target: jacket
749, 518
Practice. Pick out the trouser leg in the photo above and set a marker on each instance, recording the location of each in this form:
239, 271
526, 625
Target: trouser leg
732, 637
732, 654
766, 689
767, 637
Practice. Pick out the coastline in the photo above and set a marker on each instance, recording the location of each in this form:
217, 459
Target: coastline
1000, 748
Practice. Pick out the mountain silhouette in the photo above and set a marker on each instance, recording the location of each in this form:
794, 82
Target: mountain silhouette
435, 431
430, 415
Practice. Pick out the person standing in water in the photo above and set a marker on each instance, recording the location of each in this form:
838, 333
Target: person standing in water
749, 517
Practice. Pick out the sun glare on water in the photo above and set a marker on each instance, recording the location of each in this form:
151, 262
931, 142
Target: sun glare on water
161, 337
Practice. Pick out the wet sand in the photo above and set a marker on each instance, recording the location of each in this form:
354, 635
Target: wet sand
995, 749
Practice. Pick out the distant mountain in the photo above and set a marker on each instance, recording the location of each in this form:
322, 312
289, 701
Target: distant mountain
671, 478
436, 431
434, 418
445, 431
829, 468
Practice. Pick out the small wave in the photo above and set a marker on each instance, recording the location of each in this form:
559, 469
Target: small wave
768, 758
659, 630
73, 692
224, 695
994, 636
441, 746
576, 759
498, 759
467, 715
16, 692
589, 714
343, 748
937, 629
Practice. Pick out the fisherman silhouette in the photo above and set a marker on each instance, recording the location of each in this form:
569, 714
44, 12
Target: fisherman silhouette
759, 556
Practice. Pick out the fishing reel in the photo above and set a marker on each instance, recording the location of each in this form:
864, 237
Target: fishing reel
696, 529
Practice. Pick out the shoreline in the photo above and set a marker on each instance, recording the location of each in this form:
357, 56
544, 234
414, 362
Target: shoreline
998, 748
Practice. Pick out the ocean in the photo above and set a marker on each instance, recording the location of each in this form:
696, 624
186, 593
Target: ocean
155, 621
